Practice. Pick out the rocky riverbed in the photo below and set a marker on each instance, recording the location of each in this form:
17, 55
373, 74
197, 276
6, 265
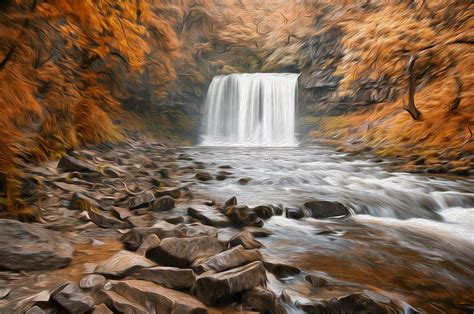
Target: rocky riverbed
142, 228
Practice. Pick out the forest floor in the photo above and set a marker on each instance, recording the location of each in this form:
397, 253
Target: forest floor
134, 237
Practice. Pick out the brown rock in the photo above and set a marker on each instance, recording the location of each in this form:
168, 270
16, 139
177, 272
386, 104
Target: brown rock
203, 176
101, 309
171, 277
164, 203
152, 298
258, 232
234, 257
31, 247
71, 164
142, 200
106, 220
324, 209
222, 286
280, 269
122, 263
208, 216
81, 202
92, 281
73, 299
151, 240
261, 300
245, 239
175, 219
231, 202
182, 252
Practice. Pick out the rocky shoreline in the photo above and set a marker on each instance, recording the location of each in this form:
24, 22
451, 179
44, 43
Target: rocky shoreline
122, 231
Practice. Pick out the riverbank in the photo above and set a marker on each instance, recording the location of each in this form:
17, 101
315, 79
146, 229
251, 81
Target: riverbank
123, 211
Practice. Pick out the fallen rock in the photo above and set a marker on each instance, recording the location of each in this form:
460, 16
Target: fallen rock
231, 202
316, 281
222, 286
71, 164
203, 176
245, 239
122, 263
35, 310
106, 220
244, 181
261, 300
263, 211
101, 309
171, 277
142, 200
280, 269
164, 203
81, 202
31, 247
258, 232
92, 281
182, 252
208, 216
232, 258
175, 219
294, 212
73, 299
324, 209
4, 292
242, 215
151, 240
153, 298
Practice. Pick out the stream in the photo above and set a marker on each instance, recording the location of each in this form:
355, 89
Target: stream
410, 237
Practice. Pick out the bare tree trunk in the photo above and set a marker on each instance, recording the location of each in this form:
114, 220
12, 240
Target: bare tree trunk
411, 108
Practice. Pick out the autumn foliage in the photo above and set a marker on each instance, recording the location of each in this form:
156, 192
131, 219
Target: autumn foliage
65, 69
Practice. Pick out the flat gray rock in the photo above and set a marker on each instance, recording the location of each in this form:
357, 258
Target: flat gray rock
208, 216
31, 247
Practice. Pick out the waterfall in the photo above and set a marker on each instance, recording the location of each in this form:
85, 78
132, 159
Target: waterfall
251, 110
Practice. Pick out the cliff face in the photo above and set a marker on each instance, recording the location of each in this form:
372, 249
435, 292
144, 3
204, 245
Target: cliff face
78, 72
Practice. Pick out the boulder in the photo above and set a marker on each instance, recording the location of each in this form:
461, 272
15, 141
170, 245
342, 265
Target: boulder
316, 281
263, 211
120, 304
31, 247
280, 269
164, 203
208, 216
35, 310
234, 257
71, 164
150, 241
261, 300
244, 181
174, 192
182, 252
92, 281
120, 213
122, 264
175, 219
4, 292
171, 277
242, 215
81, 202
231, 202
246, 239
73, 299
106, 220
101, 309
142, 200
259, 232
294, 212
222, 286
152, 298
324, 209
203, 176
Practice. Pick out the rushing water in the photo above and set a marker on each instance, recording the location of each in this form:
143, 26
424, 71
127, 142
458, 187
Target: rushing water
251, 110
410, 236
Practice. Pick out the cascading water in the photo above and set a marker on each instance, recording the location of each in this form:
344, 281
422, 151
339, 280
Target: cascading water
251, 110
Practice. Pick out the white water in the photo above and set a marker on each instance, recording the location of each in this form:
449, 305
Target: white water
251, 110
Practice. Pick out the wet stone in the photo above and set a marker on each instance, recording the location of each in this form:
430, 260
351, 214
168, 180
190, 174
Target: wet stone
280, 269
203, 176
182, 252
142, 200
208, 216
324, 209
231, 258
294, 212
164, 203
222, 286
175, 219
245, 239
73, 299
92, 281
170, 277
261, 300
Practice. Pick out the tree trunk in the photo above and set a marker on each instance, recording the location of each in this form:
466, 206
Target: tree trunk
411, 108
